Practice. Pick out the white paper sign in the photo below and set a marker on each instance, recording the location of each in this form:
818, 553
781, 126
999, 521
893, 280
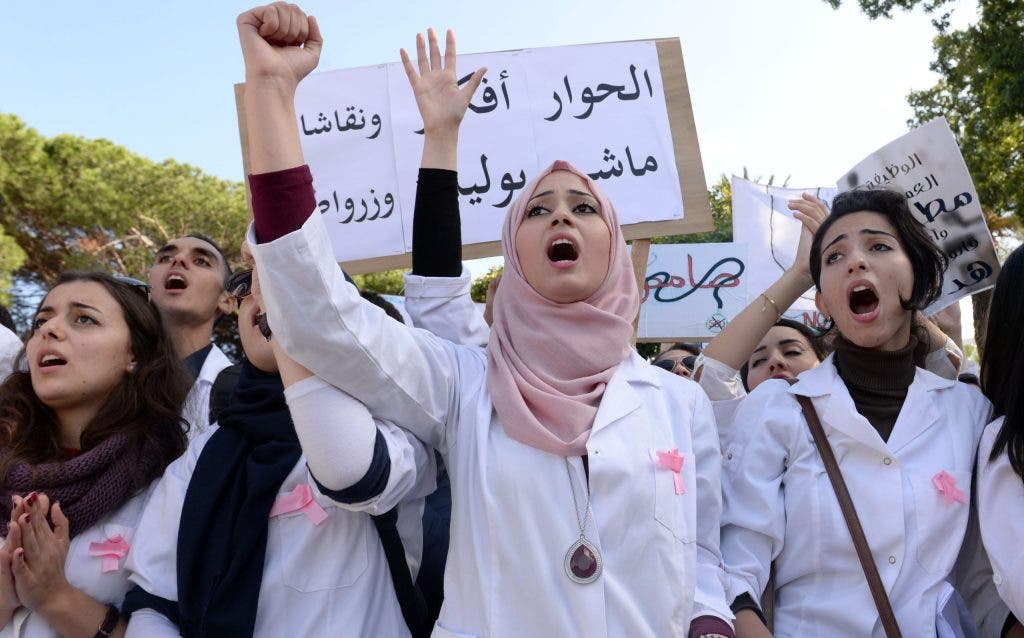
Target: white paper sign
601, 107
926, 165
692, 290
761, 220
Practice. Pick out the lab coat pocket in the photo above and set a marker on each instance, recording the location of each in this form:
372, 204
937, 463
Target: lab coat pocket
940, 512
320, 557
675, 493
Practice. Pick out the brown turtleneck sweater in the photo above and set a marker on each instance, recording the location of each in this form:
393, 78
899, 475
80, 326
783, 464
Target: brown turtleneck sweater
877, 380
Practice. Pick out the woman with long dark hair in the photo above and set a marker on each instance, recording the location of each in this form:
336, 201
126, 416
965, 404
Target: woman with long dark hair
83, 434
904, 439
1001, 453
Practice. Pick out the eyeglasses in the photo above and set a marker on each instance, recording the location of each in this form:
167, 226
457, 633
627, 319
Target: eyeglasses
140, 286
239, 285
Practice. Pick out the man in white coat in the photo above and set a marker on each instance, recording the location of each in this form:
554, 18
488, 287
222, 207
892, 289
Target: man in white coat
188, 279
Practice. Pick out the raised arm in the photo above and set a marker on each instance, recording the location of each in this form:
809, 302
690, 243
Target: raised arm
407, 377
733, 345
437, 290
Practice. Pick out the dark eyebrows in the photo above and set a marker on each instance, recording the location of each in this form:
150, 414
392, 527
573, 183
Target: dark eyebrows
864, 231
782, 343
74, 304
571, 191
169, 248
205, 252
871, 231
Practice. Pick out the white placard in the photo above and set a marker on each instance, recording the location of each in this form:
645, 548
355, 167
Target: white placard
346, 132
926, 165
601, 107
692, 290
761, 220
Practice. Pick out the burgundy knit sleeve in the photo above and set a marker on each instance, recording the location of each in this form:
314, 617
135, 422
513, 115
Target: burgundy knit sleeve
282, 201
703, 625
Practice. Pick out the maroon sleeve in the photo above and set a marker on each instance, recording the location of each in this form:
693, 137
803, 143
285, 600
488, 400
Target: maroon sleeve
703, 625
282, 201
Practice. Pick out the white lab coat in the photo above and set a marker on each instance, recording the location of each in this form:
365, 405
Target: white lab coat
316, 579
85, 572
197, 403
1001, 513
443, 306
779, 504
513, 516
10, 347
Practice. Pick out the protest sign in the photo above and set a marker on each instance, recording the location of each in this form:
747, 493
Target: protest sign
927, 167
762, 221
618, 111
692, 291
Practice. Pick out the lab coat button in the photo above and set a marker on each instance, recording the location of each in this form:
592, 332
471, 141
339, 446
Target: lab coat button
892, 560
887, 461
997, 579
729, 456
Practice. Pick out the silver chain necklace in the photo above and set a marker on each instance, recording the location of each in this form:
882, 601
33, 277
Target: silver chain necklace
582, 561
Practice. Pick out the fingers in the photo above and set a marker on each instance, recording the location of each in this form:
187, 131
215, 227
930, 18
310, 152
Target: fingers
29, 542
61, 525
13, 536
449, 50
410, 70
435, 51
18, 565
421, 54
474, 82
314, 42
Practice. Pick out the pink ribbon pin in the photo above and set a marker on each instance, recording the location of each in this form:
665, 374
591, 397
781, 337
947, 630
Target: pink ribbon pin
111, 551
946, 485
673, 460
300, 499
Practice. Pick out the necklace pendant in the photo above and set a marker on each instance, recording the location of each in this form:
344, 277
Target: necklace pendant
583, 562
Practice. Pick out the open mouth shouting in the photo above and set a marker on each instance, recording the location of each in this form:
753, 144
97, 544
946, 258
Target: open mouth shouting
863, 300
51, 359
562, 252
174, 281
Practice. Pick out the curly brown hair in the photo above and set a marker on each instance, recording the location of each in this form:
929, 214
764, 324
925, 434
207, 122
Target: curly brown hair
146, 405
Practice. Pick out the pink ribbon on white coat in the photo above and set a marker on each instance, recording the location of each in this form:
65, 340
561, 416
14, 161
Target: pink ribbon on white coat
111, 551
946, 485
300, 500
673, 460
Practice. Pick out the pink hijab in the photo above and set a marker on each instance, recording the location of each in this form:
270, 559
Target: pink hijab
548, 362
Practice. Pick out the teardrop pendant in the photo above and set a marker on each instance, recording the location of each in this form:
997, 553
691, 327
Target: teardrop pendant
583, 562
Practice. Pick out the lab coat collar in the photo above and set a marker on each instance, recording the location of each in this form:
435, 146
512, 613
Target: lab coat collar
621, 395
215, 361
836, 408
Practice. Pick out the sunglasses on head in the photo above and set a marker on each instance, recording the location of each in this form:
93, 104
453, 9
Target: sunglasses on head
240, 284
139, 286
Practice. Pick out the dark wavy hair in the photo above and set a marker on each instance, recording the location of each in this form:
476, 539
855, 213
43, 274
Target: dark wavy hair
146, 405
1002, 364
818, 342
926, 259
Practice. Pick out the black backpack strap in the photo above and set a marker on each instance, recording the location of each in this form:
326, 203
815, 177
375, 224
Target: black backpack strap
410, 598
223, 388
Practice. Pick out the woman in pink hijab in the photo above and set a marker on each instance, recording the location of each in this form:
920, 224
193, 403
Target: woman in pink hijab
585, 482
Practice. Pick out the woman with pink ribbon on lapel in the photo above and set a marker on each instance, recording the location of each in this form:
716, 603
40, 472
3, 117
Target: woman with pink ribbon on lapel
83, 434
585, 491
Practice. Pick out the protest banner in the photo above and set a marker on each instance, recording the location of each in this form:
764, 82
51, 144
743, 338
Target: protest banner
927, 167
692, 291
762, 221
619, 111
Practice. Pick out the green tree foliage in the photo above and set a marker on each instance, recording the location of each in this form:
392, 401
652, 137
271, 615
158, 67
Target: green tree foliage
720, 196
387, 282
478, 291
70, 203
75, 203
11, 258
